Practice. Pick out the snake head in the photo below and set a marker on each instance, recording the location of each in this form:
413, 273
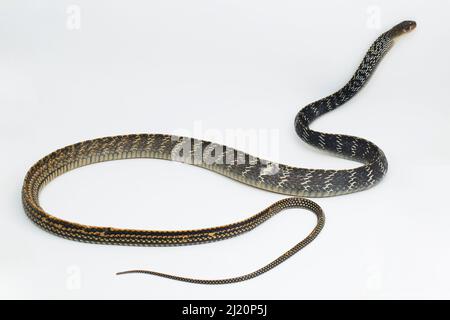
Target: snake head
401, 28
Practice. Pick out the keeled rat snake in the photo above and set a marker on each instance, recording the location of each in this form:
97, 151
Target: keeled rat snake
298, 182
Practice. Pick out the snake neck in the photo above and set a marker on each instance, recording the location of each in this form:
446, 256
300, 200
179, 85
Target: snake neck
343, 145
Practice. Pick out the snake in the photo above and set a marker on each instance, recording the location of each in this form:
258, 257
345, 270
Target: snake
297, 183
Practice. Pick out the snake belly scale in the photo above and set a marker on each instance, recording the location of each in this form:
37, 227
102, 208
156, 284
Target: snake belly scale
288, 180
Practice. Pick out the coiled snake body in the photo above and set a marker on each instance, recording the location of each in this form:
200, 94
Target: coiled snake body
288, 180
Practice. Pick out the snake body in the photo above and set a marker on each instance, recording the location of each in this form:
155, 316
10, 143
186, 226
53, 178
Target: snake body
260, 173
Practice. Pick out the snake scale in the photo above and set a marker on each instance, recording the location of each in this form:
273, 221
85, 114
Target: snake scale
284, 179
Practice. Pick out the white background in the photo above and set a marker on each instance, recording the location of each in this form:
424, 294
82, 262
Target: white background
162, 66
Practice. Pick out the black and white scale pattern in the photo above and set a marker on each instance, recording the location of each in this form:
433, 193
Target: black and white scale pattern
254, 171
232, 163
305, 182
